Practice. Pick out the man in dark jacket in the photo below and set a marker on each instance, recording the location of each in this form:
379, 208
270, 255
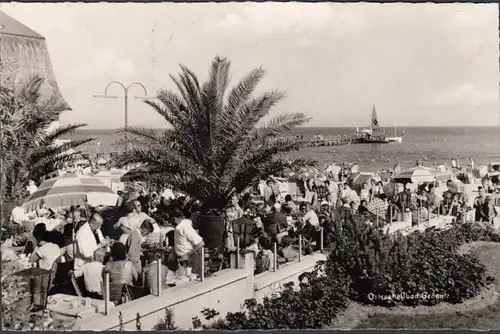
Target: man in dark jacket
274, 222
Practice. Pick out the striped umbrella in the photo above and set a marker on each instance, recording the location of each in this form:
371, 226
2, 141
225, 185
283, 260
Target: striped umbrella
114, 175
71, 189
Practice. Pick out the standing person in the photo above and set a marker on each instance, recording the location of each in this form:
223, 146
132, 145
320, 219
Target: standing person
488, 211
478, 204
364, 194
187, 242
134, 242
269, 191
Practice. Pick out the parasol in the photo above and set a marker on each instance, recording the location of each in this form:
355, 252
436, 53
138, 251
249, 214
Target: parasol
114, 175
71, 189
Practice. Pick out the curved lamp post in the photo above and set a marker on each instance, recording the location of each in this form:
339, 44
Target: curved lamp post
125, 90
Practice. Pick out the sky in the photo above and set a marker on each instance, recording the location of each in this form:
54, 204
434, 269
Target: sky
419, 64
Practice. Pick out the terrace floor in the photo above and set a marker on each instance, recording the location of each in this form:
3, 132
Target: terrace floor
482, 318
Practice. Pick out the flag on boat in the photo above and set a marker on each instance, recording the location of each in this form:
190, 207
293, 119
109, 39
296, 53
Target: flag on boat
71, 189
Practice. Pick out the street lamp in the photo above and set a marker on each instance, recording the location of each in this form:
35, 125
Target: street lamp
125, 89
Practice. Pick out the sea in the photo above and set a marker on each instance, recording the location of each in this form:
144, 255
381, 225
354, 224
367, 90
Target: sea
433, 145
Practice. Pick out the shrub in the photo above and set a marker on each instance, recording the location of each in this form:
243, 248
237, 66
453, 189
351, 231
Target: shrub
421, 268
314, 304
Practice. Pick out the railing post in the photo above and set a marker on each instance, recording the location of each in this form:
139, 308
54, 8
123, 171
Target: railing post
390, 214
321, 236
106, 293
300, 248
158, 270
275, 260
202, 274
238, 251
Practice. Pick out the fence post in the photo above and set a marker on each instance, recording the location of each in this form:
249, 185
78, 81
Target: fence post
106, 293
238, 252
202, 274
275, 260
300, 248
321, 235
158, 271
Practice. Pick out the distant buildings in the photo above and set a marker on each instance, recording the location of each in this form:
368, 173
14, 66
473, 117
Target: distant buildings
23, 54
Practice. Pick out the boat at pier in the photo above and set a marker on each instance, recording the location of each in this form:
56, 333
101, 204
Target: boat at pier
372, 135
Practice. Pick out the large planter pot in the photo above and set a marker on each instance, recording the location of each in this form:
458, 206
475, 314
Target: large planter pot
211, 229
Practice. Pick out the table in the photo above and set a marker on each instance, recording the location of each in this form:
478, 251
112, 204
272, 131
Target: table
74, 306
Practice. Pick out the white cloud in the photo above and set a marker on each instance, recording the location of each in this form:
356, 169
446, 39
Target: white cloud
465, 94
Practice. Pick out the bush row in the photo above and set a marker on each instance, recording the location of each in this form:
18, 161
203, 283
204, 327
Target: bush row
368, 266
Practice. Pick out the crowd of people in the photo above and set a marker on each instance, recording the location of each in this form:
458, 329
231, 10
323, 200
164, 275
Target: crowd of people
148, 231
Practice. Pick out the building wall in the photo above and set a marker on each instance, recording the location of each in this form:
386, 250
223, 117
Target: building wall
25, 57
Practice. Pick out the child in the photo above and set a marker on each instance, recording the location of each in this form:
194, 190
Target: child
92, 275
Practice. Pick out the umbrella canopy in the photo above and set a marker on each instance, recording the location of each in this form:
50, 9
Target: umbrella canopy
420, 174
71, 189
114, 175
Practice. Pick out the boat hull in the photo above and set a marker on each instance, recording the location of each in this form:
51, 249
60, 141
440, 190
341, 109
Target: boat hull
398, 140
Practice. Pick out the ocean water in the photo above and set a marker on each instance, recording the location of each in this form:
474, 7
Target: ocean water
434, 145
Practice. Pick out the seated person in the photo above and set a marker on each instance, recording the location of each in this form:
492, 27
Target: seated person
265, 257
151, 273
120, 270
287, 252
92, 275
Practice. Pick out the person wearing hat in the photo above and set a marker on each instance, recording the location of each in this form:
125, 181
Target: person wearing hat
274, 222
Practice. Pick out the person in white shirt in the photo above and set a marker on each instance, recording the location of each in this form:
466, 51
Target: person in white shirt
18, 216
92, 275
32, 187
88, 239
44, 256
187, 241
309, 214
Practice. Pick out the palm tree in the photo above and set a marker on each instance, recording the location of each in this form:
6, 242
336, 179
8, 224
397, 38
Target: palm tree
214, 148
28, 149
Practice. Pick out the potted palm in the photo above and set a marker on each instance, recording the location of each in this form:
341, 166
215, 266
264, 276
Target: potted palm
214, 147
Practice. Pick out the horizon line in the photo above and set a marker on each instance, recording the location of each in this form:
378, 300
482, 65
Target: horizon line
335, 127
